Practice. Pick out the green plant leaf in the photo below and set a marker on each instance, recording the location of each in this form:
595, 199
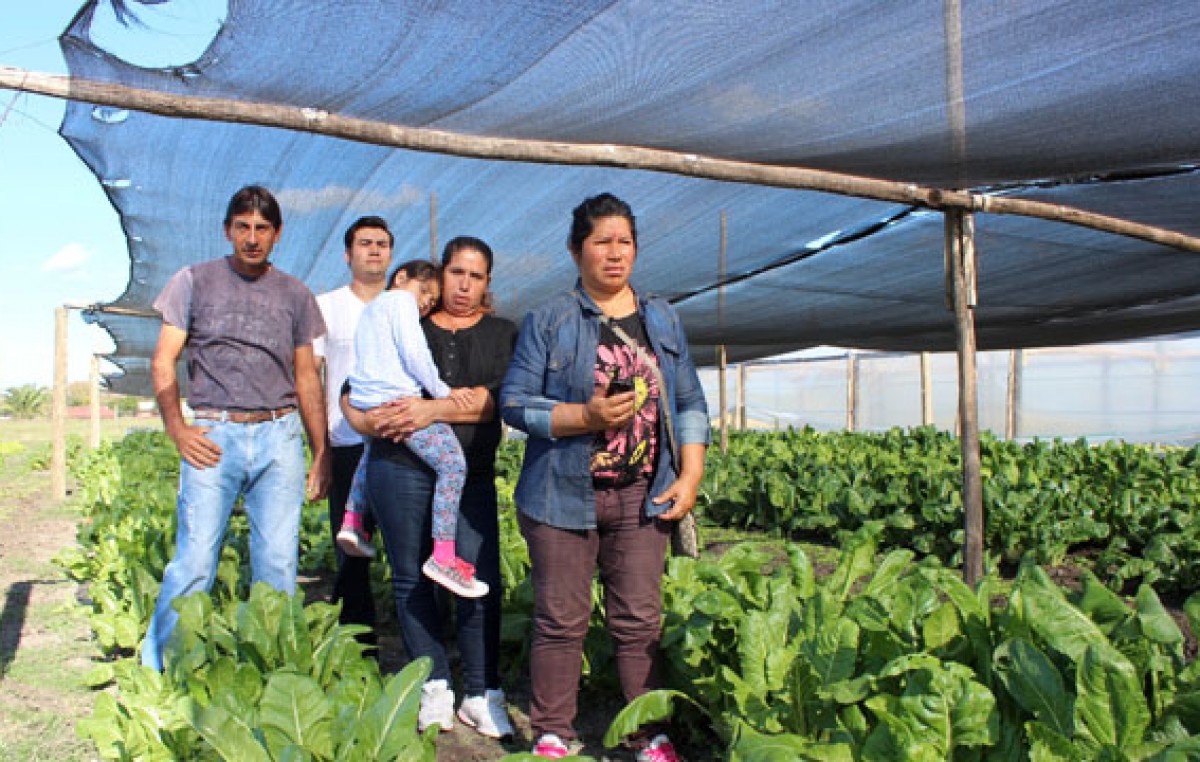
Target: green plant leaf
832, 653
1110, 708
295, 642
940, 711
388, 729
230, 735
294, 711
1046, 611
1036, 684
1102, 604
1156, 623
752, 746
857, 561
1191, 607
1046, 745
653, 706
941, 627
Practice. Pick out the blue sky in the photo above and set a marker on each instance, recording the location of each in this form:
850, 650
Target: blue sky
60, 239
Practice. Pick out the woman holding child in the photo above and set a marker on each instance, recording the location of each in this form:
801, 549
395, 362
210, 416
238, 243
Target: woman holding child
471, 349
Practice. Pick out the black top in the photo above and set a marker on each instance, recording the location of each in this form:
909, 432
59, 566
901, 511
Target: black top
475, 356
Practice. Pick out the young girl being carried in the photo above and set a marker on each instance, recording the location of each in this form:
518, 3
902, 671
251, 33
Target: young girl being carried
393, 361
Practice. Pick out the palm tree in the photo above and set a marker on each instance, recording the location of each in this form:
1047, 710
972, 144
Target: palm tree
28, 401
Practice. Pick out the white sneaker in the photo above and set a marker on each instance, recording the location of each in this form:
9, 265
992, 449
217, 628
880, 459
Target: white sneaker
437, 705
487, 714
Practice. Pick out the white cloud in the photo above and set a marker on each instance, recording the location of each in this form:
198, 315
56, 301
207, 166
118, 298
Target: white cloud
307, 200
69, 260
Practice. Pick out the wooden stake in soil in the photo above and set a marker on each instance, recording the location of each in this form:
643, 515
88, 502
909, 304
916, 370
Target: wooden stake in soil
58, 448
960, 249
926, 392
722, 356
94, 401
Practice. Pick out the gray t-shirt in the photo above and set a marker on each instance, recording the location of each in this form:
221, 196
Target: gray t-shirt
242, 333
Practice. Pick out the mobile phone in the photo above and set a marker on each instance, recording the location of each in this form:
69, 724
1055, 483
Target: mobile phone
620, 386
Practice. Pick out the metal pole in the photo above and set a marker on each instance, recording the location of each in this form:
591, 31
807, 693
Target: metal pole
960, 250
58, 447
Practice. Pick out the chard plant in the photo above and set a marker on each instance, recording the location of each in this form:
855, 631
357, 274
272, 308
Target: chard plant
897, 659
1128, 509
262, 679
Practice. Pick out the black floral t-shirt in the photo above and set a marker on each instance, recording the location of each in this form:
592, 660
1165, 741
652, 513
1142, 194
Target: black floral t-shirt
620, 456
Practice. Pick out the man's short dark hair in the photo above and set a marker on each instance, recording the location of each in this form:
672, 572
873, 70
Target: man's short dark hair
368, 222
254, 198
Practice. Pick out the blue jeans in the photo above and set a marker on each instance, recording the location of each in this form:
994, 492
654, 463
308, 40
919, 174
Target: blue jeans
264, 464
401, 495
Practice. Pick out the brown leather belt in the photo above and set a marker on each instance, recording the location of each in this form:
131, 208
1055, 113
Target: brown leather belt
243, 416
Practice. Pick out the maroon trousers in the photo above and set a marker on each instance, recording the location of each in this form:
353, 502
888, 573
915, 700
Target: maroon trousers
630, 551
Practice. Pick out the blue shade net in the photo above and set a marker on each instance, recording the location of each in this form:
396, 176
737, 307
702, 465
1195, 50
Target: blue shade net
1088, 103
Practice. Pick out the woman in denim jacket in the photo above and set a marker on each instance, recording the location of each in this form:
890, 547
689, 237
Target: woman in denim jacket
599, 485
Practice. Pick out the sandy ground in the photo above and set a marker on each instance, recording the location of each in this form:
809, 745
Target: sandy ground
45, 647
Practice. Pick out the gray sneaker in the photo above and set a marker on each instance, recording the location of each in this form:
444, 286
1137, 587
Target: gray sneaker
487, 714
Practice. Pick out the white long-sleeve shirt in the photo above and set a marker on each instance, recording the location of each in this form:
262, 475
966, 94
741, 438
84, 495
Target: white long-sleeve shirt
392, 358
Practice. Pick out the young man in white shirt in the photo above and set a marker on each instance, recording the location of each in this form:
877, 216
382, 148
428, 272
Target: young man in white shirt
369, 255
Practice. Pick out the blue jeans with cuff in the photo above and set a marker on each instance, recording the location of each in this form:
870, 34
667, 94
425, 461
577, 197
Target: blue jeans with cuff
263, 463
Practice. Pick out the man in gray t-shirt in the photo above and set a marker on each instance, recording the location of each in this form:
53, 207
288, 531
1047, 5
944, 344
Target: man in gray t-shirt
252, 382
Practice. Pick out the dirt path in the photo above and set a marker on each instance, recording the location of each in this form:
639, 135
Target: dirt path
45, 647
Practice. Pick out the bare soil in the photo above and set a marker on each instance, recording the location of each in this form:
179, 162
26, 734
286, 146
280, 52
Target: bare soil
45, 645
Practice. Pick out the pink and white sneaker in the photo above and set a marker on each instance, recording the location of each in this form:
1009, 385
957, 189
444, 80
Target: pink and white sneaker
458, 577
551, 746
659, 750
353, 539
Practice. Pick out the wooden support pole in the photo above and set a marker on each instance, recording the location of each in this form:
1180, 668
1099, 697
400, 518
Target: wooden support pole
321, 122
741, 398
960, 250
926, 392
433, 231
94, 401
723, 394
851, 389
722, 354
58, 412
1016, 361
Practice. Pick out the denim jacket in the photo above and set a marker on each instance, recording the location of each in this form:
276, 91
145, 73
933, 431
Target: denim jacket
553, 362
